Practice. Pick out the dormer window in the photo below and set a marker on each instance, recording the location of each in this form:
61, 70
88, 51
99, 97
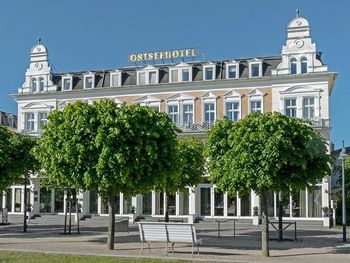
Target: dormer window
303, 65
41, 84
293, 66
148, 75
180, 73
232, 70
66, 83
209, 72
255, 68
89, 82
34, 85
115, 79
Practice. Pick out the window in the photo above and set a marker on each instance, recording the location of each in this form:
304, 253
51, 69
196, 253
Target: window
255, 70
174, 75
152, 77
208, 73
115, 79
173, 113
180, 73
34, 85
89, 82
232, 72
232, 111
308, 108
42, 119
293, 66
67, 83
209, 113
142, 78
303, 65
185, 75
255, 106
291, 107
29, 121
41, 84
10, 120
187, 114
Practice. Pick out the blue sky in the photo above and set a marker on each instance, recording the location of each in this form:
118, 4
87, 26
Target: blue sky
86, 35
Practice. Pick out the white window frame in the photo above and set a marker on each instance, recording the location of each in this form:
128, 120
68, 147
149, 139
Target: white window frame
209, 98
256, 95
296, 65
233, 96
304, 58
205, 67
147, 70
291, 107
10, 123
36, 85
32, 120
41, 80
119, 76
70, 78
230, 64
39, 120
177, 104
180, 68
255, 62
149, 101
301, 92
93, 80
187, 102
309, 106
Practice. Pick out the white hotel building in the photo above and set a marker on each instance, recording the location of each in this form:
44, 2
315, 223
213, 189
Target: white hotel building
194, 94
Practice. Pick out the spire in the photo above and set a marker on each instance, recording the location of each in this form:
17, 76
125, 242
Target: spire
297, 13
39, 41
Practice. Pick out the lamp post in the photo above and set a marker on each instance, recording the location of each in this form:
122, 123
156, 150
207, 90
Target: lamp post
343, 155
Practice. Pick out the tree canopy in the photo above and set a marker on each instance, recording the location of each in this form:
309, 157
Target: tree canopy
266, 151
16, 158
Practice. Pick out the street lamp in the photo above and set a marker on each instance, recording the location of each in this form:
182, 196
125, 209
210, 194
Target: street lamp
343, 155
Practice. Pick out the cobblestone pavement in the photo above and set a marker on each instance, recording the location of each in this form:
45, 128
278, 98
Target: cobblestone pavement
45, 234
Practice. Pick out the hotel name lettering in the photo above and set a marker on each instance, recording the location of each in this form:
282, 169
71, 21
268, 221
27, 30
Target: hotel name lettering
160, 55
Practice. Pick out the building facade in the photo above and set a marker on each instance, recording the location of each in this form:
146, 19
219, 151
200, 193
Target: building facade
8, 119
194, 94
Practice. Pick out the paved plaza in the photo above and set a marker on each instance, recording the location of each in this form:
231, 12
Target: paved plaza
314, 243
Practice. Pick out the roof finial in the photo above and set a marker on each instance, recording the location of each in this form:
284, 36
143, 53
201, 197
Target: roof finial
39, 40
297, 12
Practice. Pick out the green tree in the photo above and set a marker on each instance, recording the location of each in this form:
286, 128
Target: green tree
189, 169
16, 159
136, 148
266, 152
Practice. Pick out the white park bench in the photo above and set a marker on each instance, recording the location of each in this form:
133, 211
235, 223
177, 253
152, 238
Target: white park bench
168, 233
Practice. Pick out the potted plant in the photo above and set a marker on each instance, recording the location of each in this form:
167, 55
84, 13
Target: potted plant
255, 216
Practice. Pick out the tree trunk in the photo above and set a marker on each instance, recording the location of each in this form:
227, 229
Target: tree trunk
111, 224
166, 219
264, 226
280, 214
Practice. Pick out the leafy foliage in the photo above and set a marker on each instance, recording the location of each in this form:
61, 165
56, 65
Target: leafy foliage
266, 151
190, 166
67, 148
16, 158
136, 147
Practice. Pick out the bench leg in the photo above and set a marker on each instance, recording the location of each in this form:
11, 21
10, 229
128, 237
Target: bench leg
197, 248
141, 249
166, 249
149, 247
172, 247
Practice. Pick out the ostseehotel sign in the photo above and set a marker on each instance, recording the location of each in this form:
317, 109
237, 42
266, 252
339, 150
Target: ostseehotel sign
161, 55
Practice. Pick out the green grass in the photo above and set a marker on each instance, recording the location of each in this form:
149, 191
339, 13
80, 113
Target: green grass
55, 258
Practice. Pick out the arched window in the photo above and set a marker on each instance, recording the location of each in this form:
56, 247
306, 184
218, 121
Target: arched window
41, 84
293, 66
303, 65
33, 85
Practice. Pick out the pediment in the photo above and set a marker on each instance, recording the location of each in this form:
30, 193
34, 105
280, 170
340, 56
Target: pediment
209, 95
37, 105
181, 96
300, 89
256, 92
146, 99
233, 94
